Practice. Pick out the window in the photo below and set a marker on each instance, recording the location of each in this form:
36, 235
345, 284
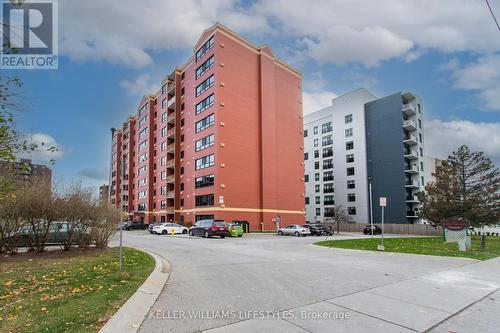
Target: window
422, 181
143, 133
164, 103
351, 184
316, 165
204, 181
351, 210
349, 158
315, 130
143, 121
142, 170
329, 200
421, 166
204, 200
329, 212
163, 117
418, 107
349, 145
316, 153
142, 182
143, 145
316, 142
327, 127
351, 197
306, 156
316, 188
205, 104
163, 204
205, 47
327, 152
205, 162
326, 140
327, 176
143, 194
164, 131
318, 211
328, 188
307, 201
305, 133
348, 118
328, 164
142, 157
316, 176
350, 171
143, 109
163, 146
141, 207
419, 123
306, 178
163, 190
205, 123
204, 67
348, 132
204, 143
163, 175
317, 200
164, 89
200, 89
421, 152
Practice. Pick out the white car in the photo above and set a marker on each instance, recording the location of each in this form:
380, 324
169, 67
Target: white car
166, 229
295, 230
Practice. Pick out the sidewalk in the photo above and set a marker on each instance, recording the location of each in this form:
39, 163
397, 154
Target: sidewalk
414, 305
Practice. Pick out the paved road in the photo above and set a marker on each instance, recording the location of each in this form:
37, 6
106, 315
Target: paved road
230, 285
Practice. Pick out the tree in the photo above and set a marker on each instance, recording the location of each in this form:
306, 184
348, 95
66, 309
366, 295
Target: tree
340, 215
467, 185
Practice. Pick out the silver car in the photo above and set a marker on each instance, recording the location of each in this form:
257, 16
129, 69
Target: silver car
294, 230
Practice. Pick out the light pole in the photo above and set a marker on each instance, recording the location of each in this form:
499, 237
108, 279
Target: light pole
122, 171
371, 204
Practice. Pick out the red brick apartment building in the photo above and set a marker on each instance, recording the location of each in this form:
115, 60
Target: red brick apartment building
221, 138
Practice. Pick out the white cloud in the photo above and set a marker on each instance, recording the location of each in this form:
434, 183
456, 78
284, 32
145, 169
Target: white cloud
44, 153
314, 101
482, 76
141, 85
443, 137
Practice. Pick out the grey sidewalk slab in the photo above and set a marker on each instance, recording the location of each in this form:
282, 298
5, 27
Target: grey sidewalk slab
259, 326
307, 317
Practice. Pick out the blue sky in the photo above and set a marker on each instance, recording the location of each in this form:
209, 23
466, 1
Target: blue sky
113, 52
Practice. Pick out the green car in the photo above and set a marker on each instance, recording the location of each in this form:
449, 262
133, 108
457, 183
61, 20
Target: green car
235, 230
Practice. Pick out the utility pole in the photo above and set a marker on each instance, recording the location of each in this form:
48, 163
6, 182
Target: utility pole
122, 172
371, 204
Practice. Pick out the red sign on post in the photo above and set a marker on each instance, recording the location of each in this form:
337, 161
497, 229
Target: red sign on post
455, 223
383, 202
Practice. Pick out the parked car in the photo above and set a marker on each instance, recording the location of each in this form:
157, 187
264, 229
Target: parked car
315, 229
368, 230
327, 230
295, 230
235, 230
167, 228
151, 225
134, 225
208, 228
57, 235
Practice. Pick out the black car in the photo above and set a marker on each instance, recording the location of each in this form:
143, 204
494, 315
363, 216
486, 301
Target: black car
368, 230
315, 229
327, 230
131, 225
208, 228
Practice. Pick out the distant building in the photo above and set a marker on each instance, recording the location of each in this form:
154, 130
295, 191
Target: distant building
103, 195
25, 173
431, 164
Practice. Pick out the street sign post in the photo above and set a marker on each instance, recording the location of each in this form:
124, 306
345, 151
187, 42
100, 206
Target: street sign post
371, 207
383, 204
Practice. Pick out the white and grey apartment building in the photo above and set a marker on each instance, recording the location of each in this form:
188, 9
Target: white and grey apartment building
359, 139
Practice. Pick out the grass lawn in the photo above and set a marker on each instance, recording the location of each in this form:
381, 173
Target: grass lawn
421, 245
67, 292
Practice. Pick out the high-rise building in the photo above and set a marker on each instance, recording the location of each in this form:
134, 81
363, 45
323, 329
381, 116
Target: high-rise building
25, 173
221, 138
103, 195
360, 140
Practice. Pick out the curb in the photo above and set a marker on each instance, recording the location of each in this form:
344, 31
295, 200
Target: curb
130, 316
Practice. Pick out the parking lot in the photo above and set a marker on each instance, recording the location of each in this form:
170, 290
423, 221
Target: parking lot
240, 284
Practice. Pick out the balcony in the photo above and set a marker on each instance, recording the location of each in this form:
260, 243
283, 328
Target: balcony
170, 179
328, 203
170, 194
412, 214
410, 140
412, 184
170, 133
411, 154
170, 211
171, 118
409, 109
170, 164
171, 148
409, 125
412, 169
171, 104
412, 199
171, 89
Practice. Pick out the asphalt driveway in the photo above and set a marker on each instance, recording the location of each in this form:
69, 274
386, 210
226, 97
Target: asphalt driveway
267, 283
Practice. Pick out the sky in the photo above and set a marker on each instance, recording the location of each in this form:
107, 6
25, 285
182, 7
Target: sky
113, 52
